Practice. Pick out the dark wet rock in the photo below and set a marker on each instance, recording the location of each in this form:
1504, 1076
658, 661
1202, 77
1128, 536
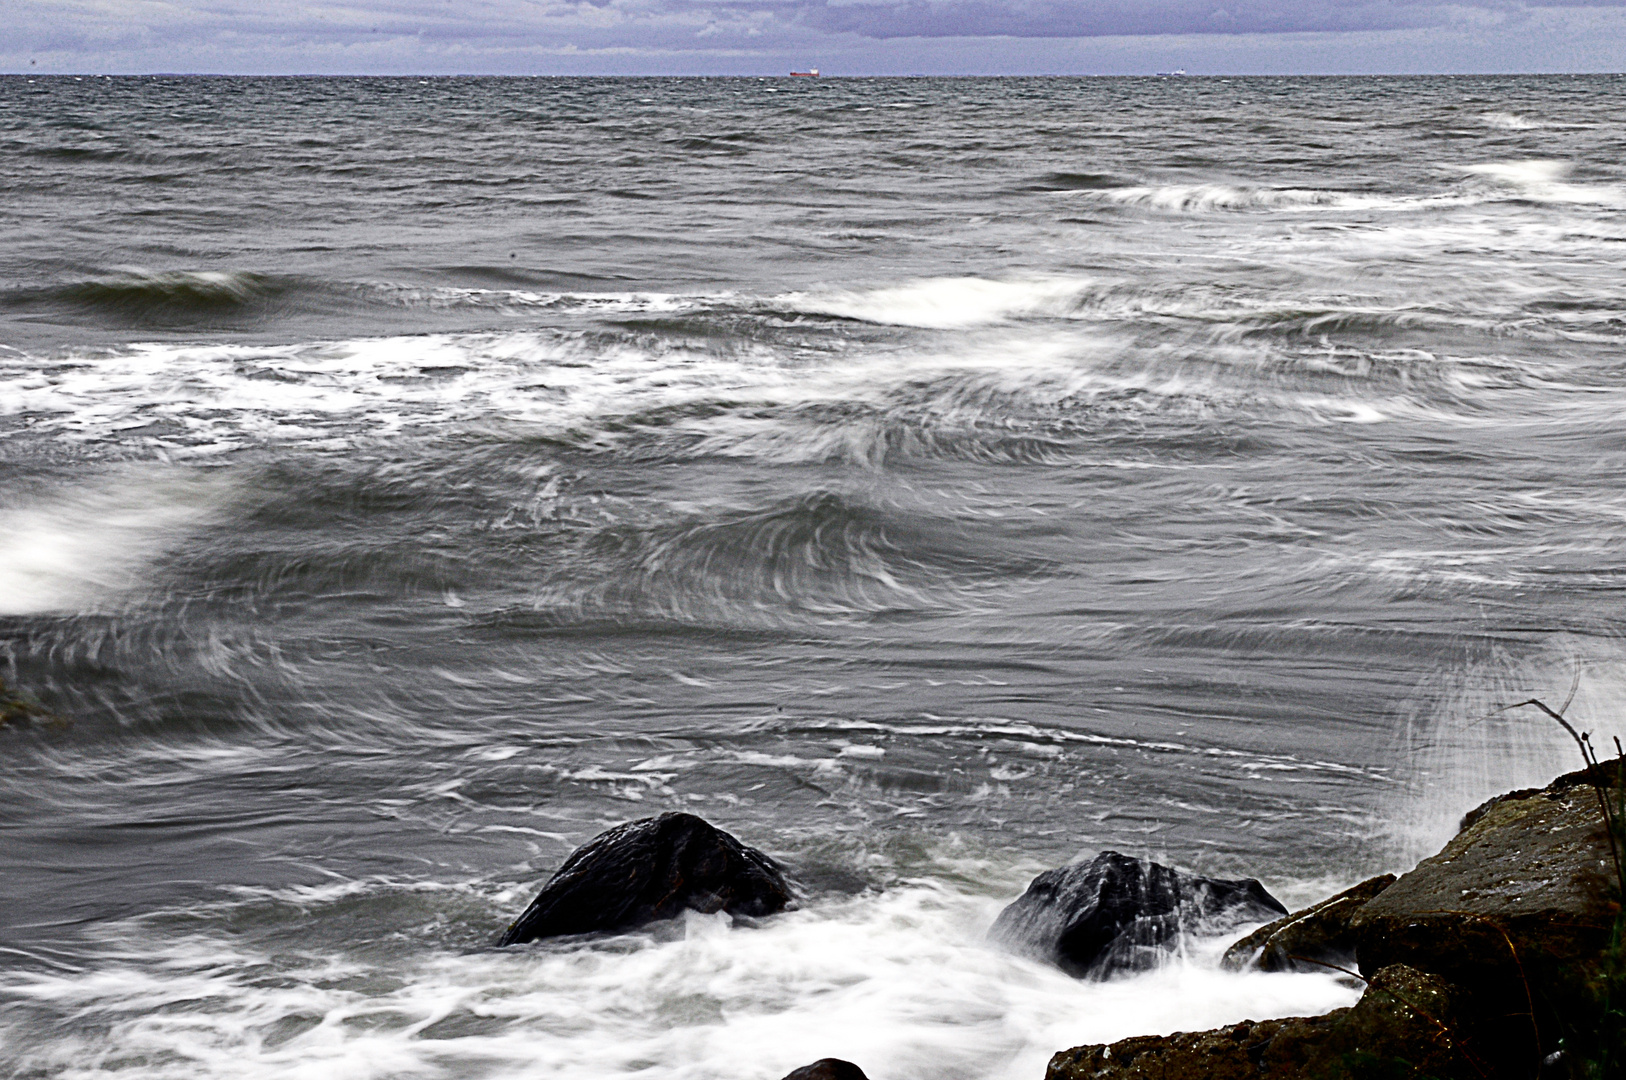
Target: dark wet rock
648, 870
1317, 938
828, 1069
1116, 913
1407, 1024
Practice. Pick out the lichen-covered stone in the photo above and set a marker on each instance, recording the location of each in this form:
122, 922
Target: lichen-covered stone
1526, 885
1318, 938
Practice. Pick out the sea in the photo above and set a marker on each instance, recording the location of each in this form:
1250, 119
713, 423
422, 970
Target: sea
929, 481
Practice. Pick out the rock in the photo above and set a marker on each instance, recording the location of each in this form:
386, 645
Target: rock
1116, 913
15, 708
1518, 907
828, 1069
652, 869
1315, 939
1608, 774
1407, 1024
1487, 961
1530, 876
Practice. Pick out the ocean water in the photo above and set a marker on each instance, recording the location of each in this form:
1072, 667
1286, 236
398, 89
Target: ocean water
929, 481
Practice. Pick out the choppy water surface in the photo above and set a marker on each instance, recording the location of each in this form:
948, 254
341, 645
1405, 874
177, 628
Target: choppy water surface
928, 480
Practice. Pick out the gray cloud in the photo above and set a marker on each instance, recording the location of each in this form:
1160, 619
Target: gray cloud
757, 35
1102, 18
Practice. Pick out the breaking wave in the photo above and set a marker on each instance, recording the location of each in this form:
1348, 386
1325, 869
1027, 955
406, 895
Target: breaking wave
1533, 180
160, 297
699, 997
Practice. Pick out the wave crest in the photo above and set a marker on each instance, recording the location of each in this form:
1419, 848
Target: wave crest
149, 296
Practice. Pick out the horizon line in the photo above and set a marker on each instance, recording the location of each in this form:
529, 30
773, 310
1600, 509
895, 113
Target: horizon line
1176, 75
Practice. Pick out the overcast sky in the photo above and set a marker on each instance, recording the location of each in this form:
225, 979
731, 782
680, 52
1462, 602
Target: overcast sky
851, 37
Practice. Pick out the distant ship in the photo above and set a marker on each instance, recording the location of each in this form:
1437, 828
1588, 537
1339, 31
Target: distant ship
1176, 71
810, 73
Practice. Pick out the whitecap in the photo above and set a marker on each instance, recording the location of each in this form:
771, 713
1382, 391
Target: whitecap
83, 547
1507, 121
1544, 180
948, 303
900, 982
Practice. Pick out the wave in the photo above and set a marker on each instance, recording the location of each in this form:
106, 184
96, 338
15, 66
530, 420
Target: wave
593, 391
188, 297
1015, 390
1071, 181
1507, 121
943, 303
1542, 180
83, 548
167, 296
1209, 197
1530, 180
822, 554
902, 975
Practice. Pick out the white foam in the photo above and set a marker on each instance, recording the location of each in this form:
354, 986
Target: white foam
1023, 347
82, 547
1543, 180
900, 983
1506, 121
1535, 179
944, 303
196, 399
1463, 744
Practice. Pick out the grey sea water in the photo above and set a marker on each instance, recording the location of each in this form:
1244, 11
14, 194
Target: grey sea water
930, 481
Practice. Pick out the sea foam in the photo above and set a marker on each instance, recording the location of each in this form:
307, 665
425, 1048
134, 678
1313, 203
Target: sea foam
900, 982
85, 546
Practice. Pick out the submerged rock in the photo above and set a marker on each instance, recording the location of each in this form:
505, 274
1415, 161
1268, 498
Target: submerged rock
652, 869
1403, 1026
828, 1069
1116, 913
15, 708
1318, 938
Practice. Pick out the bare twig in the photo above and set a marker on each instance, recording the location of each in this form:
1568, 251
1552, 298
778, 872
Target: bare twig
1590, 757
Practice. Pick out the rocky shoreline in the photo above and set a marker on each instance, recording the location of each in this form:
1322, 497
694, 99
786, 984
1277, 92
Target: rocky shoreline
1499, 958
1490, 960
1493, 959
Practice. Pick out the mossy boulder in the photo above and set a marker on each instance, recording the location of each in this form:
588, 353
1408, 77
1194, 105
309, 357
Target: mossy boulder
1317, 938
1529, 881
1519, 908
